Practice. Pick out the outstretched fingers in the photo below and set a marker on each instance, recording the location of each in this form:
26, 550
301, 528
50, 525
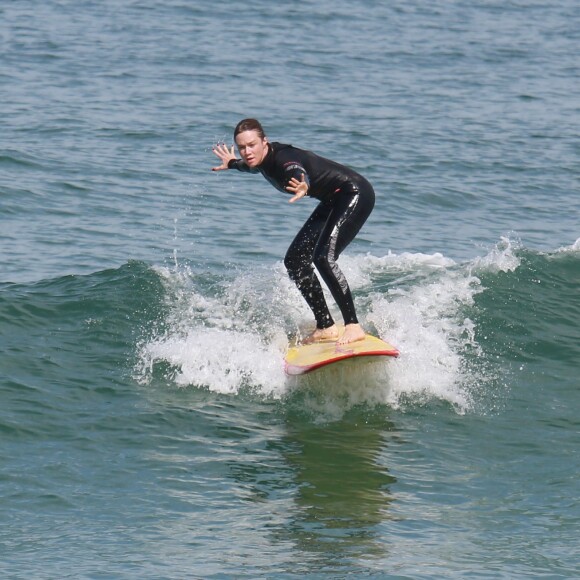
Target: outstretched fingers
226, 154
298, 188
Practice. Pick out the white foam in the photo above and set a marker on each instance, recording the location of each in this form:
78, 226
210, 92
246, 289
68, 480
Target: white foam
225, 341
359, 270
575, 247
225, 361
407, 261
427, 325
501, 258
235, 339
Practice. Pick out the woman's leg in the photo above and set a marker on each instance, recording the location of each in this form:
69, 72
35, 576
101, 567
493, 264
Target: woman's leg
298, 262
351, 208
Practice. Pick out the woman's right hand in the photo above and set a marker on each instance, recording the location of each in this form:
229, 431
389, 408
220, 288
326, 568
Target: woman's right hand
298, 188
225, 154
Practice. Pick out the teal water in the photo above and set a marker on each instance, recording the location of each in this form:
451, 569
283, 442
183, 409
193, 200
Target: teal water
147, 429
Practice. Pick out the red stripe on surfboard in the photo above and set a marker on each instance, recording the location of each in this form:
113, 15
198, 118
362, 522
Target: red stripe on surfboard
294, 370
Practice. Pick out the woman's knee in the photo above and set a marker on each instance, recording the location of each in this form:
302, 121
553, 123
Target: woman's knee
322, 262
295, 264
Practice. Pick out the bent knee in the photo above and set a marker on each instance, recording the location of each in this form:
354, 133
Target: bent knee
291, 262
297, 266
323, 262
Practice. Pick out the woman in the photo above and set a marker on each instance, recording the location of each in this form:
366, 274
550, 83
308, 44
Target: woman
346, 200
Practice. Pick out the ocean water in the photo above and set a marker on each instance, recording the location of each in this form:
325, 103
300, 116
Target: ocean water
147, 428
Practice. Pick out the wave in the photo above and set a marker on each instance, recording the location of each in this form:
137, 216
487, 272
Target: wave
532, 312
465, 330
65, 332
454, 323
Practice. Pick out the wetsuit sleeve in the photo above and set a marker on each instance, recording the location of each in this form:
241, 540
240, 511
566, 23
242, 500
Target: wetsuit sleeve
295, 169
240, 166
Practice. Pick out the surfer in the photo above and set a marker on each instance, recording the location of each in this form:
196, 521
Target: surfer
346, 200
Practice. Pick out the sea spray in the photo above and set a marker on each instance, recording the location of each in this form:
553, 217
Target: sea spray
230, 334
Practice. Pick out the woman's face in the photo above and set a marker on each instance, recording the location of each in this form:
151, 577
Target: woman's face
252, 147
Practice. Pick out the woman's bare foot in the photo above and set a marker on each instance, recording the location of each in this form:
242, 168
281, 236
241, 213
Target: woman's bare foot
320, 334
352, 333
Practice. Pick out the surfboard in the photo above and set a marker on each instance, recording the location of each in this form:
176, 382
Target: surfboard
304, 358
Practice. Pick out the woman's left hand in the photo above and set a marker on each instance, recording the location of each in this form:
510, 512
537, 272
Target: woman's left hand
298, 188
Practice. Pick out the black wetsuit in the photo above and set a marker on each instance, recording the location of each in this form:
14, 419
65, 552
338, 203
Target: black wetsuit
346, 200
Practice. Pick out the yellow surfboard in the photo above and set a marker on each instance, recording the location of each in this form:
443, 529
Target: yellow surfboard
305, 358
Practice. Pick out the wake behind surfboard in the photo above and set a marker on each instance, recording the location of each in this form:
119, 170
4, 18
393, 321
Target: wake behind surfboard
305, 358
